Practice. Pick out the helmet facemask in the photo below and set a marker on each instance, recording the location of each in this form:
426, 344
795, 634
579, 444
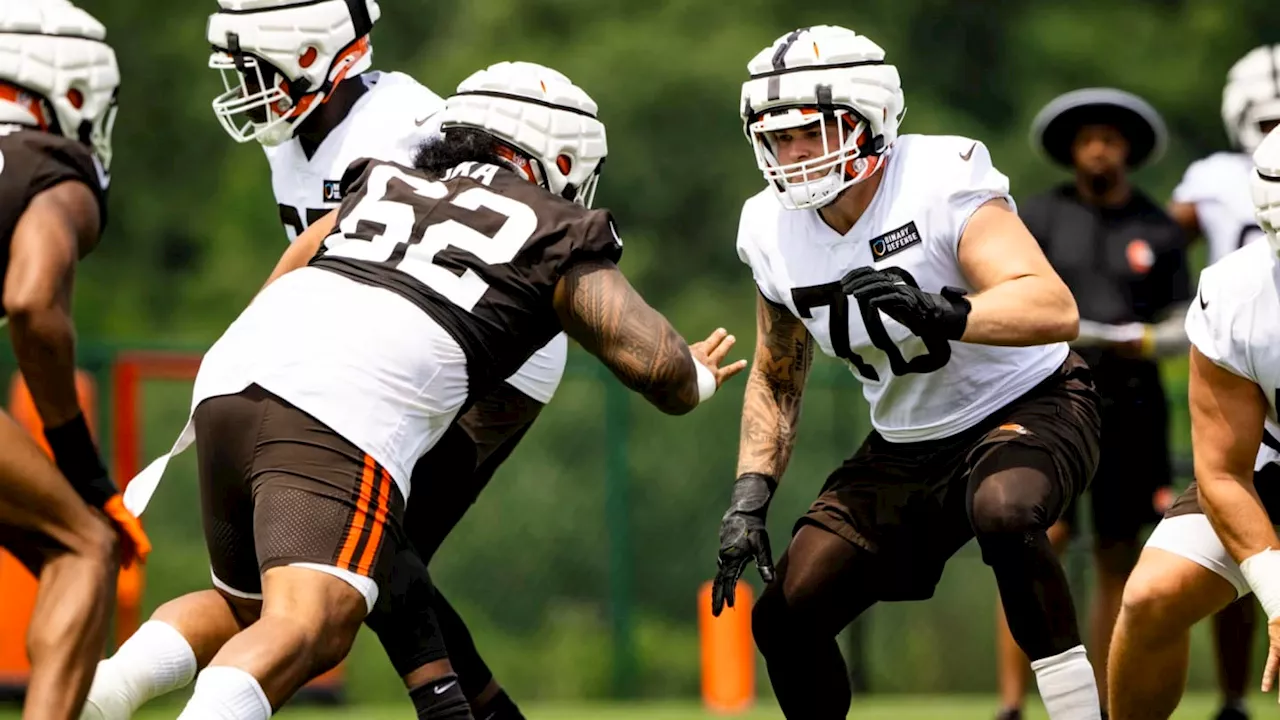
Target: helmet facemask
1265, 187
259, 103
847, 156
586, 194
256, 100
529, 167
1266, 197
97, 135
280, 60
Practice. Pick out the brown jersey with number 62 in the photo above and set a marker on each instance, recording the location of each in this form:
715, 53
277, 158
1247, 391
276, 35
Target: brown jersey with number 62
480, 251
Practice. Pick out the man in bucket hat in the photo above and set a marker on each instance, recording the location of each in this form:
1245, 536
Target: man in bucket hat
1124, 260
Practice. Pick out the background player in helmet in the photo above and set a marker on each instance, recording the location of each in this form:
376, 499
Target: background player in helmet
1217, 542
58, 81
469, 263
1213, 200
309, 97
902, 256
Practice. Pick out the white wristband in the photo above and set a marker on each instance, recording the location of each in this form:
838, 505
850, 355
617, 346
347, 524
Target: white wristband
706, 382
1262, 572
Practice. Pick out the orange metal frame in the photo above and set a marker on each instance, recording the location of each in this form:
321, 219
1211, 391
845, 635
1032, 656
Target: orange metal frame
19, 596
130, 371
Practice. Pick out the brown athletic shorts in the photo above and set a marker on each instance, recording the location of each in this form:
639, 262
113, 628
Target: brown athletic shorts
278, 487
447, 480
907, 503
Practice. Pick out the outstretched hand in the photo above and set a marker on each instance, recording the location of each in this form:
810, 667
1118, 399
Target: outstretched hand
712, 351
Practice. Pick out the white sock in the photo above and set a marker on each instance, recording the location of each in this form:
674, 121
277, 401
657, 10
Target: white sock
1067, 686
155, 660
226, 693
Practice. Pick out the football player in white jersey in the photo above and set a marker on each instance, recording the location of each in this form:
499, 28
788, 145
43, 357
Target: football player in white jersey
1176, 581
903, 256
1212, 200
297, 80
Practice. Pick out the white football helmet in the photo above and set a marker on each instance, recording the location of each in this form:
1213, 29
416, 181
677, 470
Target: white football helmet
1266, 188
57, 72
1252, 96
546, 126
280, 59
832, 76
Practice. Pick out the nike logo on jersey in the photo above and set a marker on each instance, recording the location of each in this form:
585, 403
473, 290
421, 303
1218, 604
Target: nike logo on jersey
1200, 297
424, 120
966, 155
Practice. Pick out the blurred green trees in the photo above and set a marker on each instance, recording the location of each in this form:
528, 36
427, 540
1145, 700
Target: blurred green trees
194, 231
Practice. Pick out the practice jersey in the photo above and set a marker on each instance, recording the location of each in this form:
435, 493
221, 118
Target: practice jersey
390, 121
394, 116
32, 161
481, 252
1235, 322
918, 388
1218, 186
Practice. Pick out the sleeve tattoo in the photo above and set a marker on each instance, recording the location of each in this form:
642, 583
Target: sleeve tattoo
771, 407
608, 317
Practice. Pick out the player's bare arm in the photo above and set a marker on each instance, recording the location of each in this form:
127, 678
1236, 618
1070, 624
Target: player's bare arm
770, 417
300, 251
1184, 213
1227, 413
58, 228
775, 385
600, 309
1019, 298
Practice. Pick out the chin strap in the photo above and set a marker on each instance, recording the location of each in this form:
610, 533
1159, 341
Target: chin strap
360, 20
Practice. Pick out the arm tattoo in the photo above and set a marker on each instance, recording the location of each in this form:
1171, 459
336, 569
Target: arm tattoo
771, 407
608, 317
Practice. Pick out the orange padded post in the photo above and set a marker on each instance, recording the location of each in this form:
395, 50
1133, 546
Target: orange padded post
19, 596
728, 653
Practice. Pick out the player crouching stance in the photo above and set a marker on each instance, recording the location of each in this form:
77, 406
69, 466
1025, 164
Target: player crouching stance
1218, 541
428, 286
904, 257
58, 81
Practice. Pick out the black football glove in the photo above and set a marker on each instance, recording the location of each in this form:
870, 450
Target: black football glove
925, 314
743, 537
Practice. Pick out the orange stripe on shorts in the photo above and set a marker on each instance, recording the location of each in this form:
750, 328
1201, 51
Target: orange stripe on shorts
379, 522
352, 538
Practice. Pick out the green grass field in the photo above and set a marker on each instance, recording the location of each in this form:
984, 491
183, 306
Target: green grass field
937, 707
